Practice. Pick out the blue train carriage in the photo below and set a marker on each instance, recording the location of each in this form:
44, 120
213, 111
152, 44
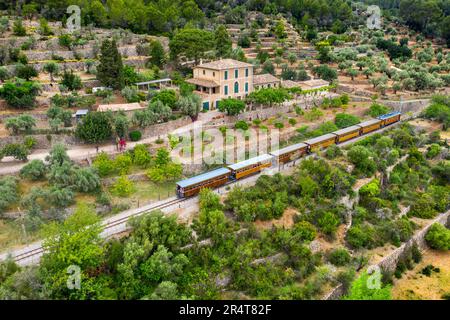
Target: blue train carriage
290, 153
389, 118
213, 179
251, 166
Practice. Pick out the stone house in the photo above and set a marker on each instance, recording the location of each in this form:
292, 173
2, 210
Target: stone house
221, 79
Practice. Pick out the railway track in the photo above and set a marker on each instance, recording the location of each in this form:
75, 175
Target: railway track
37, 252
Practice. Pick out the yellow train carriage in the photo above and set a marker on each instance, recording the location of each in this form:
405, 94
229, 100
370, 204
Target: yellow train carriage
290, 153
251, 166
389, 118
320, 142
369, 126
347, 133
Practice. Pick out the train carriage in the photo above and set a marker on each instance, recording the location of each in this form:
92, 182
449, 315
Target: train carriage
248, 167
321, 142
347, 133
389, 118
192, 186
369, 126
290, 153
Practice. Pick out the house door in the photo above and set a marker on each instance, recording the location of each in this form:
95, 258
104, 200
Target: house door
206, 105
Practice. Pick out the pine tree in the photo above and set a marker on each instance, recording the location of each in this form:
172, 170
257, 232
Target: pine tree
222, 42
110, 69
158, 56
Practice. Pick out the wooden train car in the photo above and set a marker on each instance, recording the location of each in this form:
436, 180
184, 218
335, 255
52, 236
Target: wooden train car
389, 118
347, 133
192, 186
253, 165
321, 142
369, 126
290, 153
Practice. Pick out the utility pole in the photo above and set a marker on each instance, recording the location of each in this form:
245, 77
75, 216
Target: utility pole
401, 103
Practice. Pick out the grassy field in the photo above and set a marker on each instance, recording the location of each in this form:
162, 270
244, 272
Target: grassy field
147, 191
416, 286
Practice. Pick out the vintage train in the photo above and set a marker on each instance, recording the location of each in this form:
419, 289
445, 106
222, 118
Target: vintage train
216, 178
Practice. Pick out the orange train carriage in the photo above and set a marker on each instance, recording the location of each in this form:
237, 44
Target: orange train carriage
389, 118
369, 126
251, 166
290, 153
321, 142
213, 179
347, 133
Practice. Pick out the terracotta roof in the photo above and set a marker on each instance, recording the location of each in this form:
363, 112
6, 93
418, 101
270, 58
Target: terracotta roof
119, 107
264, 78
316, 83
203, 82
289, 84
225, 64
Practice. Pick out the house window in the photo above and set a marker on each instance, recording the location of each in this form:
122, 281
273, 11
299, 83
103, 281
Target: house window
246, 87
214, 74
246, 72
225, 89
226, 75
236, 73
236, 87
203, 72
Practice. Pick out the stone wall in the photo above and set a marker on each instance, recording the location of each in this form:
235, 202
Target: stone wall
305, 102
85, 52
45, 141
79, 65
416, 105
163, 129
389, 263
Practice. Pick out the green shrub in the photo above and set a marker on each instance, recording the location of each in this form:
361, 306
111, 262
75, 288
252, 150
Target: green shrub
123, 187
438, 237
423, 207
141, 156
103, 164
426, 271
305, 231
343, 120
122, 163
376, 110
9, 191
333, 152
135, 135
339, 257
279, 125
241, 124
256, 122
35, 170
328, 223
416, 255
433, 150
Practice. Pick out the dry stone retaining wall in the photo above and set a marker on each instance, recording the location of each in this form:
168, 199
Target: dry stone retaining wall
389, 263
